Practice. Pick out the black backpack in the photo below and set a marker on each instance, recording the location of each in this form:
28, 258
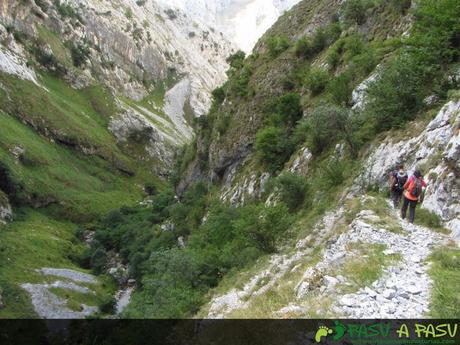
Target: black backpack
400, 181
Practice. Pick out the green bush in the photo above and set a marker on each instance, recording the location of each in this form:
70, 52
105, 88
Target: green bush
328, 124
333, 172
303, 48
107, 304
223, 123
353, 45
308, 47
239, 83
236, 60
316, 80
218, 95
276, 45
273, 147
333, 59
340, 88
289, 107
292, 189
398, 94
354, 11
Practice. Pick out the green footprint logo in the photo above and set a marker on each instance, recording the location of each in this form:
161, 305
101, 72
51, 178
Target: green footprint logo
323, 331
340, 329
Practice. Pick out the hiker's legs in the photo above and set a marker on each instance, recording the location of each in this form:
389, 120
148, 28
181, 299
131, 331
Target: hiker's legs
404, 207
412, 206
396, 197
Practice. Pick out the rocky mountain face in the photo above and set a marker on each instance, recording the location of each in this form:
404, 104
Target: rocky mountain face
174, 50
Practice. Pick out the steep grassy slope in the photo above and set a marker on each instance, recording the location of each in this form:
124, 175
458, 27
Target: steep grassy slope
58, 157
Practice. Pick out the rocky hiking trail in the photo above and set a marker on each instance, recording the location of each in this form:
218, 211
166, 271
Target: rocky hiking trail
404, 289
326, 288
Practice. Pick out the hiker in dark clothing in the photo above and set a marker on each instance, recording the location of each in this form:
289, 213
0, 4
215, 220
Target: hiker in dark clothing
398, 179
413, 193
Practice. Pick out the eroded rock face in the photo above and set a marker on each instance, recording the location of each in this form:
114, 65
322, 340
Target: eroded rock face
436, 151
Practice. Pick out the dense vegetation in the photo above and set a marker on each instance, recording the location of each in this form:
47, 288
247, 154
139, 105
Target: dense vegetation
174, 279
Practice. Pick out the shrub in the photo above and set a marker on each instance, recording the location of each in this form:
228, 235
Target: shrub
332, 172
353, 45
327, 124
354, 11
129, 13
99, 260
276, 45
308, 47
223, 122
292, 188
79, 53
289, 107
340, 88
239, 83
398, 94
171, 14
236, 60
316, 80
319, 40
218, 95
429, 219
273, 147
107, 304
333, 59
262, 225
303, 48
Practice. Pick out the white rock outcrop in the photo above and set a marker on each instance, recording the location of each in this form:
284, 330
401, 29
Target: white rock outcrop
11, 63
437, 150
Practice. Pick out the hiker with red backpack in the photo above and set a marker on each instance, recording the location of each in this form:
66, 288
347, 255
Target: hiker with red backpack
398, 179
413, 193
